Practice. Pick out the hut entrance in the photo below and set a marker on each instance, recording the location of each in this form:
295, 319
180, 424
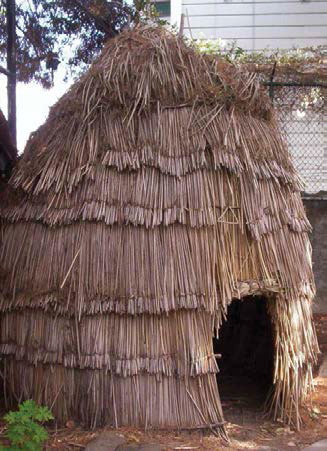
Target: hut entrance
247, 358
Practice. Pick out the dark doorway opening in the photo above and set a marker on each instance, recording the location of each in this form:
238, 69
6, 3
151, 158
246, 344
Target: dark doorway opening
246, 346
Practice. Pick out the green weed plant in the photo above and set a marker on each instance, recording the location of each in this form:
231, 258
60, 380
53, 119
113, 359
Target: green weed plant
24, 427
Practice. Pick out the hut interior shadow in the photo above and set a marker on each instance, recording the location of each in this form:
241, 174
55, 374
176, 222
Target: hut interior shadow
246, 346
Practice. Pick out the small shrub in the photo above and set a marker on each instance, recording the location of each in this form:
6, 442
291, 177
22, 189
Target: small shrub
23, 428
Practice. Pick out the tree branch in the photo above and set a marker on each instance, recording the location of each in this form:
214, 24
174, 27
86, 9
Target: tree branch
99, 22
4, 71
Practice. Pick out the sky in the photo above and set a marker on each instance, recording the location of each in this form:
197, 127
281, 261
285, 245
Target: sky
33, 103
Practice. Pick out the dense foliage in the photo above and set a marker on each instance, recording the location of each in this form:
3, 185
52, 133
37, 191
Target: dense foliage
232, 52
51, 32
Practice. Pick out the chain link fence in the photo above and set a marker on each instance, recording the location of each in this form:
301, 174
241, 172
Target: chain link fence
303, 119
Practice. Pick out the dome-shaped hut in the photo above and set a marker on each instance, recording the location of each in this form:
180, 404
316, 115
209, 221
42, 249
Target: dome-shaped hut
158, 190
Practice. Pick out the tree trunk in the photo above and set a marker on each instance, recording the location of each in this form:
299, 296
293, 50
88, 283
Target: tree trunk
11, 67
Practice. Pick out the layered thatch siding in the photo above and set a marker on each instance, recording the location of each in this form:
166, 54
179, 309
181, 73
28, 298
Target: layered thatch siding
158, 190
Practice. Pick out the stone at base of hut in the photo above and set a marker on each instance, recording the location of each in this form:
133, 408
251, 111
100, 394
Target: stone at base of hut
138, 447
107, 441
112, 441
322, 444
266, 448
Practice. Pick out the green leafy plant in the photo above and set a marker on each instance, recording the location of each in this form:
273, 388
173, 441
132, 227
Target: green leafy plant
231, 52
24, 429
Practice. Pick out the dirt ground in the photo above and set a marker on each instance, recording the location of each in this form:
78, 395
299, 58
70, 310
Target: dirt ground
247, 428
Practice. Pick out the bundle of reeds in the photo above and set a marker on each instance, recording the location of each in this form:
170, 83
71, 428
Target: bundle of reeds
158, 190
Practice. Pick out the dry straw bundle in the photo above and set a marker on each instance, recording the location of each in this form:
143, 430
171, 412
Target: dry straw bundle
158, 190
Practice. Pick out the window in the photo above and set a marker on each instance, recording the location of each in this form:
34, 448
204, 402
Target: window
163, 8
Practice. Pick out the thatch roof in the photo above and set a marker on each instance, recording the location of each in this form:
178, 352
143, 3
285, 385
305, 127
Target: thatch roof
158, 190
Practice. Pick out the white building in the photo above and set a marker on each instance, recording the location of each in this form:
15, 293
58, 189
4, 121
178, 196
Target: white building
254, 25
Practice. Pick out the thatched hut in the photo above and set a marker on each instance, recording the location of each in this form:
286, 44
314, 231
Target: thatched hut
158, 190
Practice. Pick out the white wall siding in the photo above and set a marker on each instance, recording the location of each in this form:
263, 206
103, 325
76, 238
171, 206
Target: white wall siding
258, 24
